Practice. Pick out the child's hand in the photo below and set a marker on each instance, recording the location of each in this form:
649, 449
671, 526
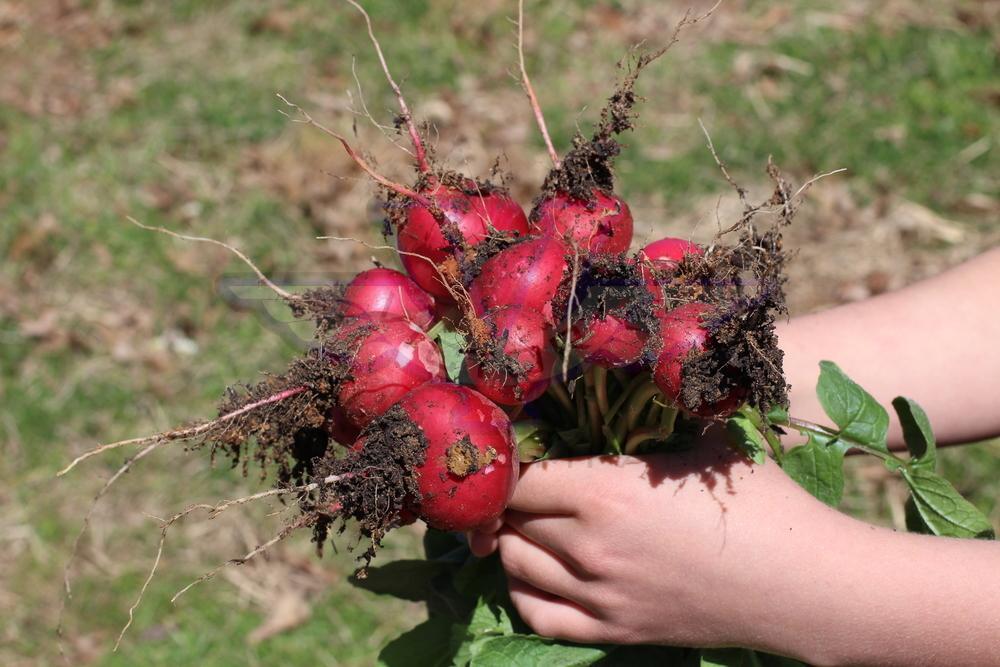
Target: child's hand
700, 548
659, 549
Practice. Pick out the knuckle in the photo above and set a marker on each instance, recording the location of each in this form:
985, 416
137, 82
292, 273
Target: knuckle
592, 558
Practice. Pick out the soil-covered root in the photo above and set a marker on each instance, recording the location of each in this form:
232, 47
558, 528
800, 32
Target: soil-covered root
744, 284
588, 166
377, 484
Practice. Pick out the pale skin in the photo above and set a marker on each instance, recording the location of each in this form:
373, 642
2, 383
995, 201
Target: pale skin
701, 548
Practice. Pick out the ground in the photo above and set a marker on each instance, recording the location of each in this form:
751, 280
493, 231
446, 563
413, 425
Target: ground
167, 112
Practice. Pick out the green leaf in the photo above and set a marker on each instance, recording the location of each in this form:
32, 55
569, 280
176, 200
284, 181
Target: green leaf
818, 467
453, 348
915, 522
533, 437
427, 645
942, 508
728, 657
406, 579
742, 657
917, 433
744, 436
479, 577
440, 544
777, 415
488, 620
854, 411
529, 651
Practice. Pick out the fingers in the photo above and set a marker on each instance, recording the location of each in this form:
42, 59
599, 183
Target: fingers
537, 566
555, 531
550, 487
558, 533
483, 544
552, 616
483, 540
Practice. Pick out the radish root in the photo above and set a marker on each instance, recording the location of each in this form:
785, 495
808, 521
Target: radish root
530, 90
418, 145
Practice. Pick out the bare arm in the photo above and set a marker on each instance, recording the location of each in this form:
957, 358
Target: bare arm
937, 342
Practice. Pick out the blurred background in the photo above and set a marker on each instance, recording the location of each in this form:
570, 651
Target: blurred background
167, 111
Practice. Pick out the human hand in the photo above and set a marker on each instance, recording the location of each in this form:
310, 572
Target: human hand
671, 548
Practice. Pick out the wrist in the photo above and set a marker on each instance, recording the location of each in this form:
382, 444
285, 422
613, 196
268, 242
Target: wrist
792, 576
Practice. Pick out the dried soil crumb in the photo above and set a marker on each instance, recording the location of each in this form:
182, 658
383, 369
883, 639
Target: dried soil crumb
463, 458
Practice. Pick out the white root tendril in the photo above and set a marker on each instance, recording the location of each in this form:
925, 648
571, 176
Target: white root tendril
569, 311
75, 549
307, 119
288, 296
530, 90
214, 511
186, 433
253, 553
404, 110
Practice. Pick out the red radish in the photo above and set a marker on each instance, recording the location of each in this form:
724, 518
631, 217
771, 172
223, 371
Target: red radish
469, 217
387, 292
667, 253
469, 210
609, 341
388, 359
470, 465
682, 333
528, 343
527, 274
338, 426
663, 256
603, 225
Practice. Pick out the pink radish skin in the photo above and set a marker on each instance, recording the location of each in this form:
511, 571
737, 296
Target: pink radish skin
527, 275
610, 341
392, 358
473, 215
449, 414
682, 333
390, 293
601, 226
528, 341
663, 256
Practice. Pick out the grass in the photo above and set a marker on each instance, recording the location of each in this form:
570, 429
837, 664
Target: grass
175, 121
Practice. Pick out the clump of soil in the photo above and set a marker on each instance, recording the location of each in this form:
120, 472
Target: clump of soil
589, 164
290, 437
376, 484
746, 284
321, 304
373, 486
611, 285
277, 429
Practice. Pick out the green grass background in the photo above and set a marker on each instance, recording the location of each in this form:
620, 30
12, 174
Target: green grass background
106, 102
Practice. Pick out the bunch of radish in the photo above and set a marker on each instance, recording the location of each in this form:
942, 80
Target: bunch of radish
558, 325
508, 336
503, 323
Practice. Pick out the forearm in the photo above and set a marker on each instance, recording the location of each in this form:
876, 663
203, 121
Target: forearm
855, 594
937, 342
